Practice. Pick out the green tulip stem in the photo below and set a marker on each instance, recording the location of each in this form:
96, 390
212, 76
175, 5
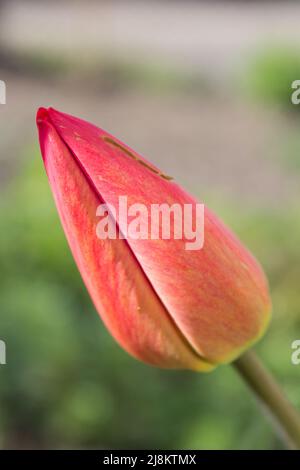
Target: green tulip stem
271, 397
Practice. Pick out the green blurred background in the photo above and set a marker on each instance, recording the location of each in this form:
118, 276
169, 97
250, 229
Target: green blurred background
203, 89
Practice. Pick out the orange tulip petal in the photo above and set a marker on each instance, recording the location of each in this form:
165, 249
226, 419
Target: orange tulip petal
216, 298
126, 301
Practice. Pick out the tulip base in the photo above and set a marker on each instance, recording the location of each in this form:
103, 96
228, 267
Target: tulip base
270, 395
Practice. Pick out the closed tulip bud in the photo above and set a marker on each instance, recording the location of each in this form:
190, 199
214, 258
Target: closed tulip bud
167, 305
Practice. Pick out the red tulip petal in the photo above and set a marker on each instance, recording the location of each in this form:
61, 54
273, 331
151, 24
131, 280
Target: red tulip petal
217, 296
120, 290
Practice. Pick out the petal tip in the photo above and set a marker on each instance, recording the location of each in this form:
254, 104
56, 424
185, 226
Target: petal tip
41, 115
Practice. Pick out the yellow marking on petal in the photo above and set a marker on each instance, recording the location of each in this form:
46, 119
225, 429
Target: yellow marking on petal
244, 265
77, 136
130, 154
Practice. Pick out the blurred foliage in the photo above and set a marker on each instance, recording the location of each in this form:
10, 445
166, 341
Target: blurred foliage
35, 63
270, 74
66, 382
104, 72
159, 77
288, 149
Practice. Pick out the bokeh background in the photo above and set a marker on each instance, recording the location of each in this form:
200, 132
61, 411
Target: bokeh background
203, 89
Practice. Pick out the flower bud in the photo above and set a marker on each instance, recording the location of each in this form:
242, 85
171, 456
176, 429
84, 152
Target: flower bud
167, 305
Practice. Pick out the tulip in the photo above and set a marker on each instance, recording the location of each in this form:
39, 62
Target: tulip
165, 305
